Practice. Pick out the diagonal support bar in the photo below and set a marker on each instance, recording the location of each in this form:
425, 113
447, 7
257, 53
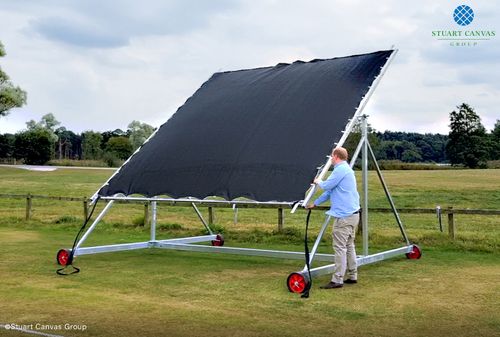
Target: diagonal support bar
201, 218
318, 240
94, 224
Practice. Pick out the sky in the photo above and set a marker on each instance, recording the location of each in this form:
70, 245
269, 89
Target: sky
98, 65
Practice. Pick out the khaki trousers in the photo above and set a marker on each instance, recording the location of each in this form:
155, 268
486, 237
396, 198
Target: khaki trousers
344, 232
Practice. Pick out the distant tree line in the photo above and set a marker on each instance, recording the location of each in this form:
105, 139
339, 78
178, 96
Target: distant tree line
411, 147
468, 143
45, 140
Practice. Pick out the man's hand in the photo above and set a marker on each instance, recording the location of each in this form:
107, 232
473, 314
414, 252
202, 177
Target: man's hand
317, 181
310, 206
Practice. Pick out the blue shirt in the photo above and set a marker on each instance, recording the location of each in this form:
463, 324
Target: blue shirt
341, 189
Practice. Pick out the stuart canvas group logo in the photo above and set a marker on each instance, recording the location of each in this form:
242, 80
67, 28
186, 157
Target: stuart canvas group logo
463, 15
468, 36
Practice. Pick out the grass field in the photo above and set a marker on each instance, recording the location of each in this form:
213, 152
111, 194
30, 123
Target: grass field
452, 291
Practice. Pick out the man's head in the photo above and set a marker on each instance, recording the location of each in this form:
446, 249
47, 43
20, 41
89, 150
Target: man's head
339, 154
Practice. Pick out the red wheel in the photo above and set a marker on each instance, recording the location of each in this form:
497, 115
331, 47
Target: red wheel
63, 256
297, 283
415, 253
219, 240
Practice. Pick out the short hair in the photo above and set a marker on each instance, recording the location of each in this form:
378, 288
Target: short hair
340, 152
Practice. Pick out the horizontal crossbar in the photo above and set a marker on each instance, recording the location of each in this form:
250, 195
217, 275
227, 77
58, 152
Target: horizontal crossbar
363, 260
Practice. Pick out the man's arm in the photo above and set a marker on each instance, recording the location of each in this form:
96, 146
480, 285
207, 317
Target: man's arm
332, 181
322, 198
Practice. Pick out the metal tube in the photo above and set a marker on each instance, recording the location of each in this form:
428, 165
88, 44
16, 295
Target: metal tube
91, 228
153, 220
313, 188
201, 218
364, 172
190, 239
111, 248
140, 245
354, 157
235, 215
438, 213
201, 202
241, 251
388, 195
364, 260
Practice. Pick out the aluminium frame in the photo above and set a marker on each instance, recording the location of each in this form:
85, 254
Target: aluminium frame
190, 243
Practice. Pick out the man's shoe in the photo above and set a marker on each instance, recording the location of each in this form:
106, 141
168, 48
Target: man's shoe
332, 285
351, 281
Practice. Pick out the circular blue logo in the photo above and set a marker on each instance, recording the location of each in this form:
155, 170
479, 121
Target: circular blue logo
463, 15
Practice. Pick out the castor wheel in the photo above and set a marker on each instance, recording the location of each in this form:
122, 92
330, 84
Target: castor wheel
219, 240
63, 257
415, 253
297, 283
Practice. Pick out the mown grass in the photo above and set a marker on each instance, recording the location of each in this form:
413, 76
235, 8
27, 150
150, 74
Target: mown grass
452, 291
156, 292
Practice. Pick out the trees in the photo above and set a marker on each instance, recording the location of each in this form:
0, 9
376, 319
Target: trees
430, 147
467, 144
106, 135
68, 144
495, 142
91, 145
10, 95
35, 146
399, 150
48, 122
119, 146
139, 132
7, 145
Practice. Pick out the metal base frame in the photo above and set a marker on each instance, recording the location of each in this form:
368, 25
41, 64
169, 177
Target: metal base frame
193, 243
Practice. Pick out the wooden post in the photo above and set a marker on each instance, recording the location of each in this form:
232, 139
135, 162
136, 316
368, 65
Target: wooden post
440, 222
451, 223
28, 207
210, 216
235, 215
85, 208
281, 219
146, 214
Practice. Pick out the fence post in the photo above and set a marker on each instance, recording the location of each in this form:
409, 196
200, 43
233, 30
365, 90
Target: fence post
146, 214
210, 215
235, 214
438, 214
451, 223
28, 207
281, 219
85, 208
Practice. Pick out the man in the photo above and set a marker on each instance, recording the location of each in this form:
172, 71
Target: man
341, 189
